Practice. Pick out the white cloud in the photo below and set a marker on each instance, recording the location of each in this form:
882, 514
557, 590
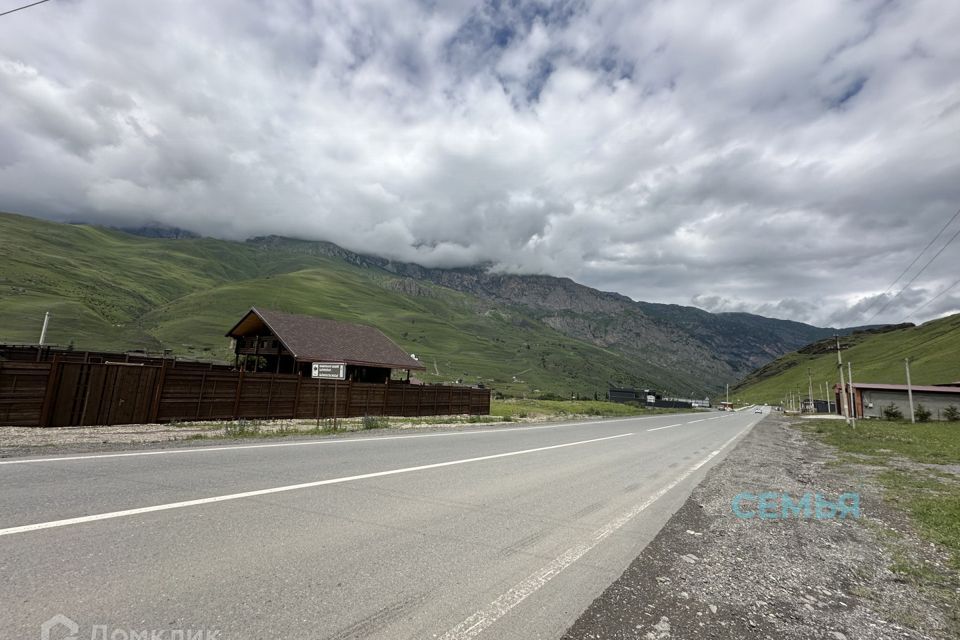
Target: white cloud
784, 158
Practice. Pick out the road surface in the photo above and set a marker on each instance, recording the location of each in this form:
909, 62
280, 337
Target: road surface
489, 533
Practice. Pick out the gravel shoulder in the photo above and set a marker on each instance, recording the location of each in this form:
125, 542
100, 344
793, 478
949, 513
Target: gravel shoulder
710, 574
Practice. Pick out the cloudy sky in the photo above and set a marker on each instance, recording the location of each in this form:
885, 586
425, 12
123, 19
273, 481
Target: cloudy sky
786, 158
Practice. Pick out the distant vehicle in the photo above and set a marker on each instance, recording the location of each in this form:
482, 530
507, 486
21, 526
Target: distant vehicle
758, 410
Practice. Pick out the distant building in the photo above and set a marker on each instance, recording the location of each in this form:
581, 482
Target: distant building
624, 394
870, 398
278, 342
629, 394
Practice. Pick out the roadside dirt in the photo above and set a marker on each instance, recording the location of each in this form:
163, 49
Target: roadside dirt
23, 441
710, 574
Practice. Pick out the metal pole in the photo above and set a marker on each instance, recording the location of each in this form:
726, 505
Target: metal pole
853, 397
318, 403
826, 393
813, 407
843, 397
843, 387
43, 332
913, 417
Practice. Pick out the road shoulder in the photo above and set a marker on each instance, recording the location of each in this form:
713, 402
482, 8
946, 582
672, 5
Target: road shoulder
710, 574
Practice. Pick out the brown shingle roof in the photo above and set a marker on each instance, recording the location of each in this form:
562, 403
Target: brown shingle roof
312, 339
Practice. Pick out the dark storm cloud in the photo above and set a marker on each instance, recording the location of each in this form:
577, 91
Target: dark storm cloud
783, 158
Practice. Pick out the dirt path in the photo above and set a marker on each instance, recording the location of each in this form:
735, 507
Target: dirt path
711, 574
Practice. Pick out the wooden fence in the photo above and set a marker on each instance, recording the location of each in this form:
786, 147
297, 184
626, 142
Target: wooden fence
63, 393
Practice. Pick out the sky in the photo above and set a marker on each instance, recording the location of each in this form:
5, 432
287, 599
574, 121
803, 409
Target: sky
784, 158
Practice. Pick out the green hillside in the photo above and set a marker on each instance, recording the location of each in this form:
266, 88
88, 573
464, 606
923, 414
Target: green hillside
933, 349
110, 290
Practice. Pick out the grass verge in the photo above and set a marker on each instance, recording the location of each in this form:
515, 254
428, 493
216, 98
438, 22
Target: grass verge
515, 408
916, 464
930, 442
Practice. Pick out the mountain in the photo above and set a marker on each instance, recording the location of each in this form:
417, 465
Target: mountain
875, 355
108, 289
157, 230
707, 347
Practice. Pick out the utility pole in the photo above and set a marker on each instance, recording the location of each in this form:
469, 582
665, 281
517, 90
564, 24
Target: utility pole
810, 391
43, 332
853, 397
843, 387
826, 392
913, 417
728, 393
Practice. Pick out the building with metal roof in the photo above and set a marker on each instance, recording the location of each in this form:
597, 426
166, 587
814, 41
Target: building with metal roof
277, 342
870, 398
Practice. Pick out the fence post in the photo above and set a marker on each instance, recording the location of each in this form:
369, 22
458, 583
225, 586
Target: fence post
203, 383
158, 392
270, 395
236, 397
386, 396
296, 399
50, 393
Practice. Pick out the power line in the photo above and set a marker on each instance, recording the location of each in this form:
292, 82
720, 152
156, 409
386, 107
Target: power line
930, 301
918, 274
909, 266
26, 6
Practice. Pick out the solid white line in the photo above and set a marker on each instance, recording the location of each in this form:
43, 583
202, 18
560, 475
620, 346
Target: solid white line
485, 617
166, 452
293, 487
669, 426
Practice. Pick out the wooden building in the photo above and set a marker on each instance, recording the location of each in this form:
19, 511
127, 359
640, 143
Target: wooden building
278, 342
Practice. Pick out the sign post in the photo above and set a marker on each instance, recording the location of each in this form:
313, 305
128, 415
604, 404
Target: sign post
328, 371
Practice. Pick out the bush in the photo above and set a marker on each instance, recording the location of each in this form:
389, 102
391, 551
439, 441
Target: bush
892, 412
242, 428
550, 396
951, 413
375, 422
921, 413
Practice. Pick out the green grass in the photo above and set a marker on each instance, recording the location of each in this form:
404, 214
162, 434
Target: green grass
107, 290
522, 408
931, 347
933, 503
931, 497
930, 442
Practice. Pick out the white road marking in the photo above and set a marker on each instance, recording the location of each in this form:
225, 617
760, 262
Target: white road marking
680, 424
166, 452
483, 618
293, 487
669, 426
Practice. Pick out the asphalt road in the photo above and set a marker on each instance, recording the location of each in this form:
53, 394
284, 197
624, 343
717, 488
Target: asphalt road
491, 532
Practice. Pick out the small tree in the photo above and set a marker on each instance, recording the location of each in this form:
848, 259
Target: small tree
921, 413
951, 413
892, 412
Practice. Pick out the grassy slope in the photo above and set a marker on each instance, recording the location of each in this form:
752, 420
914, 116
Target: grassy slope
933, 350
110, 290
